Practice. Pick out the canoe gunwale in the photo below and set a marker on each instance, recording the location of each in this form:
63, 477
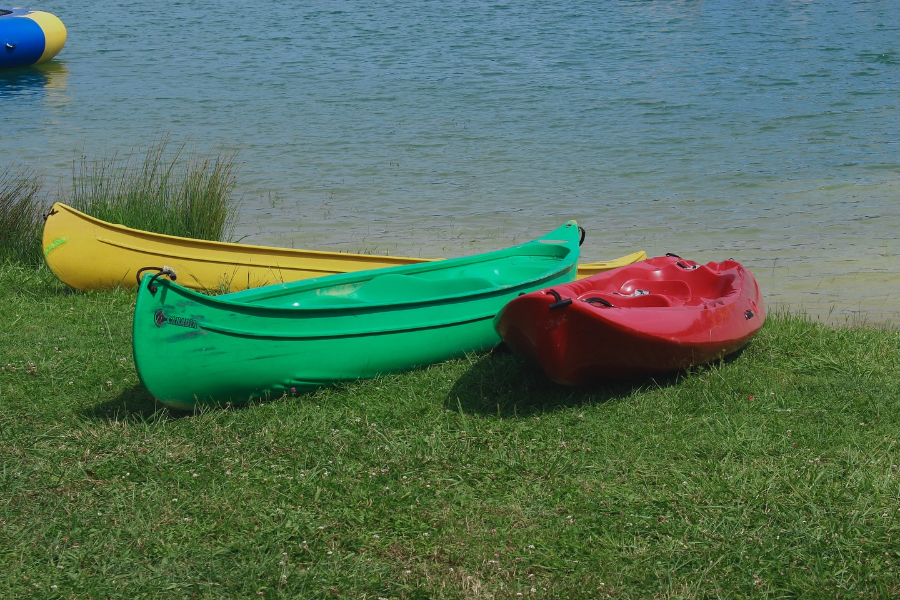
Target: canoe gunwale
235, 301
299, 313
174, 240
223, 261
73, 241
329, 335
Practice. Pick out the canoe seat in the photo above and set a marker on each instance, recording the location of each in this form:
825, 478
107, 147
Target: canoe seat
394, 287
521, 268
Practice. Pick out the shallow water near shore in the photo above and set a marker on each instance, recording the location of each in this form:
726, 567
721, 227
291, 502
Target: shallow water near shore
768, 132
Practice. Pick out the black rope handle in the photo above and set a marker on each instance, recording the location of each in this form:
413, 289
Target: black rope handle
603, 301
168, 271
583, 234
686, 266
683, 265
559, 300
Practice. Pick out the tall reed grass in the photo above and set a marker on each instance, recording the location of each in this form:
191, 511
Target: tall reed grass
177, 192
21, 207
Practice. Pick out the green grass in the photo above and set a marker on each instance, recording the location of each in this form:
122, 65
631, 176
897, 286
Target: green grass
177, 192
180, 192
21, 221
773, 474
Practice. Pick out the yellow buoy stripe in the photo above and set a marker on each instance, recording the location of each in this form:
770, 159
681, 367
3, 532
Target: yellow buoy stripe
54, 33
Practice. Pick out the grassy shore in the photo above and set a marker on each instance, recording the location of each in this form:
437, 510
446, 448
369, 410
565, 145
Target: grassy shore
176, 192
21, 221
772, 474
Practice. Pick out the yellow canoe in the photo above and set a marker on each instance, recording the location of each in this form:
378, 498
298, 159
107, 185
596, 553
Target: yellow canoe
86, 253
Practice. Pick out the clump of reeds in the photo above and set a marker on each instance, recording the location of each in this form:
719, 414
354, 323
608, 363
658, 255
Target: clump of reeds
21, 218
180, 192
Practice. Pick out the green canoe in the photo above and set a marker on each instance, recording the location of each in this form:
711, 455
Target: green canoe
191, 349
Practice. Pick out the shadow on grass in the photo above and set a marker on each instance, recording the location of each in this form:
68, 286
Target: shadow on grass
139, 404
134, 403
501, 384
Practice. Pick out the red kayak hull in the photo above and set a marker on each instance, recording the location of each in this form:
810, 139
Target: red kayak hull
655, 316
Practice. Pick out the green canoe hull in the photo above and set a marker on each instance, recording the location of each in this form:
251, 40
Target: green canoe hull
191, 349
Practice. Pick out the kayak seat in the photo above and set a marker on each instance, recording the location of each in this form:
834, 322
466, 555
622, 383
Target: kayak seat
715, 286
674, 288
395, 287
619, 301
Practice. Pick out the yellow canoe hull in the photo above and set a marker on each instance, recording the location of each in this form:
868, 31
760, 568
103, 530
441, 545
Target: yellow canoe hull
86, 253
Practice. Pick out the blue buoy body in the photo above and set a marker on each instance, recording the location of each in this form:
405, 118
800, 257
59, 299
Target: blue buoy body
28, 37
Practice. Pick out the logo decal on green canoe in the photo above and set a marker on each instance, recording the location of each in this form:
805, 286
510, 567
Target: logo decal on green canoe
161, 319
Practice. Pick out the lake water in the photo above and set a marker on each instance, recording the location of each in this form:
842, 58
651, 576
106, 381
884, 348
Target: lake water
765, 131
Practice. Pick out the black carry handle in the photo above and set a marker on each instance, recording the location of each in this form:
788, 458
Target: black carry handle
602, 301
684, 266
168, 271
559, 300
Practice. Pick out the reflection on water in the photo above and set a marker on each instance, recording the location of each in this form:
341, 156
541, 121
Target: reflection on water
45, 82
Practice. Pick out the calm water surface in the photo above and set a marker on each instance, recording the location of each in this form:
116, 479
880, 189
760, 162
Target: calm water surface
763, 131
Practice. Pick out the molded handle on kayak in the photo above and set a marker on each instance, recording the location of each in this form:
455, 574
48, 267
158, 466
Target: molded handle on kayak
686, 266
602, 301
559, 301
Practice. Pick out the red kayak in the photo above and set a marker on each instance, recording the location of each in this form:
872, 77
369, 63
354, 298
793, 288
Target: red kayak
658, 315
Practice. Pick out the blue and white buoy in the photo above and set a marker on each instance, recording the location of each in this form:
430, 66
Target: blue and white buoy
28, 37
